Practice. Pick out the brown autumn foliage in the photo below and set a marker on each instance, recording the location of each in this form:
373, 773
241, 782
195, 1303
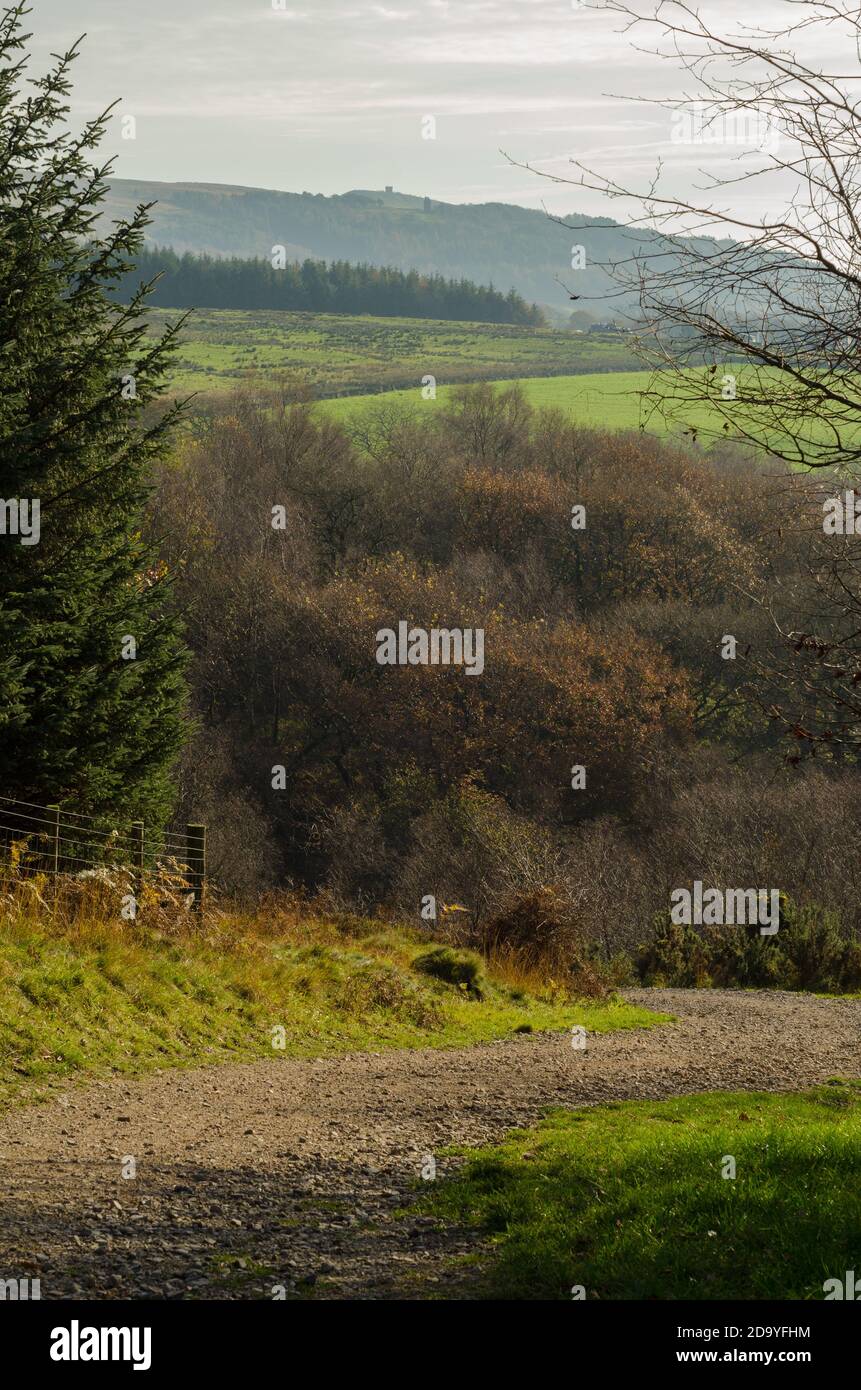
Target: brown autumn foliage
603, 648
550, 695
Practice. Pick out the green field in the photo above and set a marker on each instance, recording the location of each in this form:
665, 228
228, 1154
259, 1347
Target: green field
597, 400
340, 354
618, 401
636, 1200
355, 365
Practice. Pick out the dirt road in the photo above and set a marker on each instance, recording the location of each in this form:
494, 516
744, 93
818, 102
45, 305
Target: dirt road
288, 1172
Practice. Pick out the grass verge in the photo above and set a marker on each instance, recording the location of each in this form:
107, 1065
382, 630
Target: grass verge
98, 996
629, 1200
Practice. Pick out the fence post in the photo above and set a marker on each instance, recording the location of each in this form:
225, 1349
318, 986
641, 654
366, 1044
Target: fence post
138, 858
52, 857
195, 843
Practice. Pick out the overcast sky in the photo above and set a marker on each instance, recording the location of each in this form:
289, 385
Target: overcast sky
330, 95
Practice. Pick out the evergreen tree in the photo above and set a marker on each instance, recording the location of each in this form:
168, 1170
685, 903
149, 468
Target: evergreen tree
206, 282
82, 719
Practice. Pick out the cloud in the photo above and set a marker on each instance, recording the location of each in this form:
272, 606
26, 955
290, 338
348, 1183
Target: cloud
222, 88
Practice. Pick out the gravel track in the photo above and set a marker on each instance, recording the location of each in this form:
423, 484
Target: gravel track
289, 1172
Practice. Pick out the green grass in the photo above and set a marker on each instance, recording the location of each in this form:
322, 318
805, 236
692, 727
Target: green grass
596, 400
336, 354
99, 998
355, 363
608, 401
628, 1200
613, 401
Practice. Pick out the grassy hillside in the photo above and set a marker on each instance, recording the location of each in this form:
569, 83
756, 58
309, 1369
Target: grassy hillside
340, 354
100, 995
629, 1200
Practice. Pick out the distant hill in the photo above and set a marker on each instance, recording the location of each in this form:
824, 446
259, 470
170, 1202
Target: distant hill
489, 243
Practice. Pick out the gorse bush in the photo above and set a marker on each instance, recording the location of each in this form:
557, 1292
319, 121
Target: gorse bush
809, 951
539, 927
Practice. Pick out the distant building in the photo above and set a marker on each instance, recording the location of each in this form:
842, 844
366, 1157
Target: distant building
389, 188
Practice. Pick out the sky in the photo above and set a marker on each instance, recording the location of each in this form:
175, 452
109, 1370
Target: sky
330, 95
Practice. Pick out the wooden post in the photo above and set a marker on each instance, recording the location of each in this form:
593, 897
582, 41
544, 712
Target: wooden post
138, 858
195, 843
52, 857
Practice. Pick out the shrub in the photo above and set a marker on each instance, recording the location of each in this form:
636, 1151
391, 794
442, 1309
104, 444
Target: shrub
538, 928
461, 968
469, 847
811, 951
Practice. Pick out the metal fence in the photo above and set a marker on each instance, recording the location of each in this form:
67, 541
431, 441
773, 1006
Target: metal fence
55, 840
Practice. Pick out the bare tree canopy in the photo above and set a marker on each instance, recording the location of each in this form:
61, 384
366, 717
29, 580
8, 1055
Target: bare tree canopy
756, 318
